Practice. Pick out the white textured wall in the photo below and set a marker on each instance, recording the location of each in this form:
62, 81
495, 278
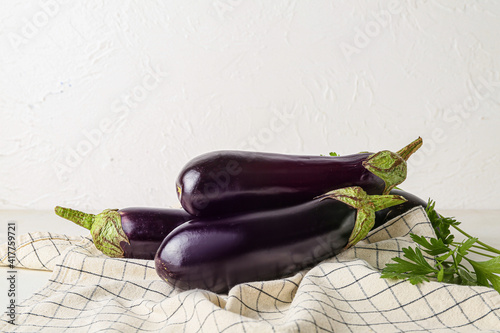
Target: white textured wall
102, 102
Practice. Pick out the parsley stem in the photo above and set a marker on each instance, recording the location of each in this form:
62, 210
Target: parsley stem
480, 247
465, 268
483, 254
486, 246
457, 244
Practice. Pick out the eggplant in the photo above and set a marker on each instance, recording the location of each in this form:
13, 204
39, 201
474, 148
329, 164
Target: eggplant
385, 215
216, 253
134, 232
231, 182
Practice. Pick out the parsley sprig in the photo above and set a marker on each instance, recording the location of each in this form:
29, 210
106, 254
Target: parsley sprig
446, 259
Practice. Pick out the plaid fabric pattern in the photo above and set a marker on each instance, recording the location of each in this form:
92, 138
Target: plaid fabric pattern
91, 292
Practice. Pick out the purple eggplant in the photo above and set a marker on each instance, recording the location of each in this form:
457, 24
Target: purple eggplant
217, 253
226, 182
133, 232
385, 215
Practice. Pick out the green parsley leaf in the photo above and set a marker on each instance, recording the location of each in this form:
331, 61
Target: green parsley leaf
467, 278
414, 269
487, 271
434, 247
440, 224
333, 154
462, 249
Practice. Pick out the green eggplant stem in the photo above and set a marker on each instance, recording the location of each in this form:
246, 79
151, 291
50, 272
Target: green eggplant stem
82, 219
407, 151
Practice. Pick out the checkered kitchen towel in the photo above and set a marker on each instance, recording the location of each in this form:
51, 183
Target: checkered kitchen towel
91, 292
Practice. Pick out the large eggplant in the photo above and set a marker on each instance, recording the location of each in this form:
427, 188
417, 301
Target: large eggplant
218, 253
385, 215
134, 232
226, 182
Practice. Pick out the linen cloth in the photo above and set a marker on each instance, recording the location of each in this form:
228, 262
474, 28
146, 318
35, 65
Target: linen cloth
91, 292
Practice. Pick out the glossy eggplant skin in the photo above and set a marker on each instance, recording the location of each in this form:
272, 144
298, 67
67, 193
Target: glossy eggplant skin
146, 228
385, 215
238, 181
218, 253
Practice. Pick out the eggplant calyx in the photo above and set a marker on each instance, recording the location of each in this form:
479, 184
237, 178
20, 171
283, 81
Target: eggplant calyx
391, 167
366, 206
105, 228
353, 196
108, 233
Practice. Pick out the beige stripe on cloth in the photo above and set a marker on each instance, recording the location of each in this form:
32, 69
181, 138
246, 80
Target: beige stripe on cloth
89, 292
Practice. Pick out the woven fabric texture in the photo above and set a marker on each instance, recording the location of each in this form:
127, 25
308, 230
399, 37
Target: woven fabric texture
91, 292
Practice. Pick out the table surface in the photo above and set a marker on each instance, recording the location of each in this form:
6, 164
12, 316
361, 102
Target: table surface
484, 224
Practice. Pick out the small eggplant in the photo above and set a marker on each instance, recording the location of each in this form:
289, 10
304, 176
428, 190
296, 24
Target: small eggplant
218, 253
387, 214
226, 182
133, 232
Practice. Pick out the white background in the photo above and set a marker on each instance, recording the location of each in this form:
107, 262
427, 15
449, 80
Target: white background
103, 102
